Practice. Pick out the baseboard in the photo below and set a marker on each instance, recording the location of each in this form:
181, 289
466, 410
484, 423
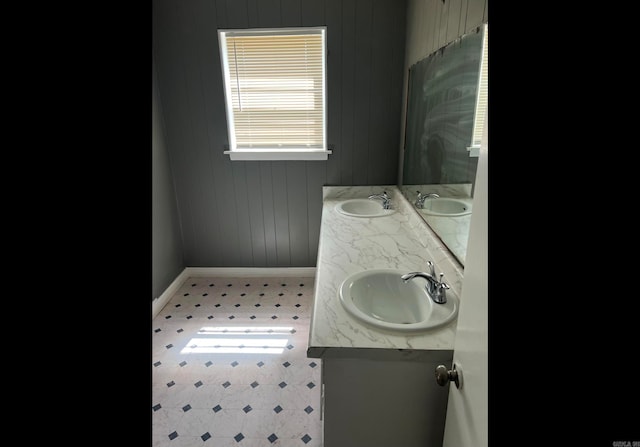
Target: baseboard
251, 272
243, 272
162, 300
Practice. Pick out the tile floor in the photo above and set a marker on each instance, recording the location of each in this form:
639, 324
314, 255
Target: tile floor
230, 365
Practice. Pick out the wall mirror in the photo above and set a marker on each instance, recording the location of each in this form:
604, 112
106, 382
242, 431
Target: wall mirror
445, 91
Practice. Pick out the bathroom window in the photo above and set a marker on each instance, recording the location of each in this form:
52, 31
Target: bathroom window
482, 97
275, 93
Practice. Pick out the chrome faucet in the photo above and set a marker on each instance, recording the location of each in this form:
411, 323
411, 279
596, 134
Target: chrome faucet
419, 203
436, 289
386, 200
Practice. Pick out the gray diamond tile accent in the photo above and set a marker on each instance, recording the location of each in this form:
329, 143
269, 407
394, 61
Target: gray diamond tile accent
182, 363
173, 435
274, 317
282, 384
186, 408
156, 407
278, 409
157, 364
237, 305
217, 408
234, 364
210, 317
169, 346
226, 384
178, 305
286, 364
306, 439
208, 364
239, 437
170, 384
253, 317
166, 318
308, 410
247, 409
313, 364
295, 317
272, 438
231, 317
205, 436
311, 385
254, 384
297, 305
289, 346
180, 330
198, 384
257, 305
260, 364
218, 305
157, 330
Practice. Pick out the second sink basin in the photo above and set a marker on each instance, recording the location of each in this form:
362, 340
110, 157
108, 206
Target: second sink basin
446, 206
362, 208
381, 298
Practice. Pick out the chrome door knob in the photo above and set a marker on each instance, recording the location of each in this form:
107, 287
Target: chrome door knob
444, 376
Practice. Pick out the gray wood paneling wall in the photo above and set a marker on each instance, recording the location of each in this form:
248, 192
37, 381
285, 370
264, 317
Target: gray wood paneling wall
166, 238
267, 213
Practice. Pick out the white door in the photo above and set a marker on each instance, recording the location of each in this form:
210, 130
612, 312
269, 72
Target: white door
467, 419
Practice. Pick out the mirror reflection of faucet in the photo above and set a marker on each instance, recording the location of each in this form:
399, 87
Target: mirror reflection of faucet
419, 203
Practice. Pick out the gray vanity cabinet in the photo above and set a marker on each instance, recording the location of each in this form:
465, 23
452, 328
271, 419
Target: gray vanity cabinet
382, 398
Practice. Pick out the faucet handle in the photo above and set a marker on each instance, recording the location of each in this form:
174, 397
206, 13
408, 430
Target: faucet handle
432, 270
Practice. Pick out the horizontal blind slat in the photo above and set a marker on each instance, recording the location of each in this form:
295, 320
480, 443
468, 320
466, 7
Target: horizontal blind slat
276, 85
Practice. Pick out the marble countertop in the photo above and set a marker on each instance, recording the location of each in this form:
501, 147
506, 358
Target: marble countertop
348, 245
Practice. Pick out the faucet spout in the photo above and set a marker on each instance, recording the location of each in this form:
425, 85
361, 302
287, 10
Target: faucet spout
436, 289
386, 200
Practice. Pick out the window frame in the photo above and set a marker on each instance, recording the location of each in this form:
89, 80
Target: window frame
483, 90
244, 154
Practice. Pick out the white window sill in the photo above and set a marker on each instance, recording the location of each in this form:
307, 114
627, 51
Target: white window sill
474, 151
275, 154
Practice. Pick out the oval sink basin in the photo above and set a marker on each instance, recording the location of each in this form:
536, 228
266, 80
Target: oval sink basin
362, 208
446, 206
380, 297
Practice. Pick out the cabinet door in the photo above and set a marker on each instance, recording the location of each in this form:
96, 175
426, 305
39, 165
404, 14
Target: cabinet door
382, 403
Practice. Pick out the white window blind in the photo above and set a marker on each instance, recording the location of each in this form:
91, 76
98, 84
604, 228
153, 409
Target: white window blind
483, 92
275, 90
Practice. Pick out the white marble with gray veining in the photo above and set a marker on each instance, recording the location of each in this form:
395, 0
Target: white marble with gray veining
348, 245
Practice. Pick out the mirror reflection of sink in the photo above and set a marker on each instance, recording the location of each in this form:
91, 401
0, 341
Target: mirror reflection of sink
380, 297
446, 206
362, 208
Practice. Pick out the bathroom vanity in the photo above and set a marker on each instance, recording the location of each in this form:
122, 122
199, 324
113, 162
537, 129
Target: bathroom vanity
378, 385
